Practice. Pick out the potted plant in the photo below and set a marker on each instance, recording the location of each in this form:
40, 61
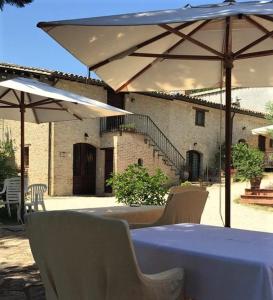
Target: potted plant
249, 164
130, 127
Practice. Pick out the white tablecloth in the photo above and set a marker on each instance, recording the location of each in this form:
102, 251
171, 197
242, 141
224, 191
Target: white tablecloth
220, 263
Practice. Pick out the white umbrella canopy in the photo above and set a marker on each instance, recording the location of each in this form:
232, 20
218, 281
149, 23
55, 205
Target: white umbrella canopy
266, 130
206, 46
29, 100
44, 103
134, 52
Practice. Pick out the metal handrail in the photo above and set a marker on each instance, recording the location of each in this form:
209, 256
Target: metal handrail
143, 124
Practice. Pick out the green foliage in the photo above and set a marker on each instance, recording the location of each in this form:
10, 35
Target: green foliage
136, 187
7, 160
128, 127
248, 162
186, 183
18, 3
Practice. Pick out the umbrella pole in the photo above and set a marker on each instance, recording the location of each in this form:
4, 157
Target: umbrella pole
22, 112
228, 135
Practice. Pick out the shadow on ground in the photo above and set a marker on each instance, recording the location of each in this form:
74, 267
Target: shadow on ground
13, 282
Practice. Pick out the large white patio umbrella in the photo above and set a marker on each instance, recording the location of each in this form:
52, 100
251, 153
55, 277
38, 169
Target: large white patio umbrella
194, 47
28, 100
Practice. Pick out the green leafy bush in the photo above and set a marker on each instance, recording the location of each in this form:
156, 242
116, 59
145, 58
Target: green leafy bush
136, 187
248, 162
7, 160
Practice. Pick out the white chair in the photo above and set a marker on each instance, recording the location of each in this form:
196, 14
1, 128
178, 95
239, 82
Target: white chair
12, 188
35, 195
82, 256
184, 205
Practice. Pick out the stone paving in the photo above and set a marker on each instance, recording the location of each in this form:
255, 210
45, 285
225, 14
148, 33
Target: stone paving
17, 267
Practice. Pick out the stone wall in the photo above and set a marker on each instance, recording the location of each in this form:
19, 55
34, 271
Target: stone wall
129, 147
177, 120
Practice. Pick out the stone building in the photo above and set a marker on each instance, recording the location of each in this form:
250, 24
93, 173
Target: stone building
172, 132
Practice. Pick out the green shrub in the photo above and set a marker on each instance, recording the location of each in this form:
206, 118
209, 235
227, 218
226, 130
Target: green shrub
136, 187
248, 162
7, 160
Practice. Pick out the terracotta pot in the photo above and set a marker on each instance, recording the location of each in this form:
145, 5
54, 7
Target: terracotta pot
255, 183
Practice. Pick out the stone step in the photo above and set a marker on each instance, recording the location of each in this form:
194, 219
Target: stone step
260, 192
257, 199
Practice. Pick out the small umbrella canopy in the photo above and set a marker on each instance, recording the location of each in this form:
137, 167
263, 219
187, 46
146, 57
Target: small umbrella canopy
33, 101
178, 49
266, 130
44, 103
134, 52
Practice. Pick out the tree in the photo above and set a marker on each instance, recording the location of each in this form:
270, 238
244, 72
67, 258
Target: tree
18, 3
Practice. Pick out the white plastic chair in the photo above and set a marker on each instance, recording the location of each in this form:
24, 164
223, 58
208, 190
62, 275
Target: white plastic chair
36, 196
12, 188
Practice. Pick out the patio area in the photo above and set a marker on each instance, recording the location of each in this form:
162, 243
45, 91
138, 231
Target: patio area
17, 264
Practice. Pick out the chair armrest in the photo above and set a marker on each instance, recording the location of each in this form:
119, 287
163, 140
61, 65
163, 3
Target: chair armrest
168, 284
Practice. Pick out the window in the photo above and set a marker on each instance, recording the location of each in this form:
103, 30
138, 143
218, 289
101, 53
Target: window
200, 117
271, 143
140, 162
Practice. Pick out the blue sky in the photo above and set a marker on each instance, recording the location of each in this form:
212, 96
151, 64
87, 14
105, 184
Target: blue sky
21, 42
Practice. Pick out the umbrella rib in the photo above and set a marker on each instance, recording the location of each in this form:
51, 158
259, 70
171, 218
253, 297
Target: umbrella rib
139, 73
76, 116
139, 46
16, 96
255, 54
257, 24
5, 93
9, 104
176, 56
254, 43
41, 102
33, 109
265, 17
190, 39
50, 108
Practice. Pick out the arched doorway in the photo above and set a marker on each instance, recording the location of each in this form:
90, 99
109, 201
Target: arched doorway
84, 169
194, 164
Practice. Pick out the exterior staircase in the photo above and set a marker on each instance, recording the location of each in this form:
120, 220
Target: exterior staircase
153, 136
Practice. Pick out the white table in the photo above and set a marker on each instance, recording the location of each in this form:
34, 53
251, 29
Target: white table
219, 263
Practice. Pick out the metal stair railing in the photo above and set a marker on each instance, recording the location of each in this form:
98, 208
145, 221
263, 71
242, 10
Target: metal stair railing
145, 125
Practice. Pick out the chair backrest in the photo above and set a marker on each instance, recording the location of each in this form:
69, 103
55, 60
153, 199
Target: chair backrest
36, 192
180, 189
82, 256
13, 188
184, 207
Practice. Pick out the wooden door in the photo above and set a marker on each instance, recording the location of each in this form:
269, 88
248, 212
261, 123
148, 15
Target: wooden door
109, 167
194, 165
261, 143
116, 100
84, 169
